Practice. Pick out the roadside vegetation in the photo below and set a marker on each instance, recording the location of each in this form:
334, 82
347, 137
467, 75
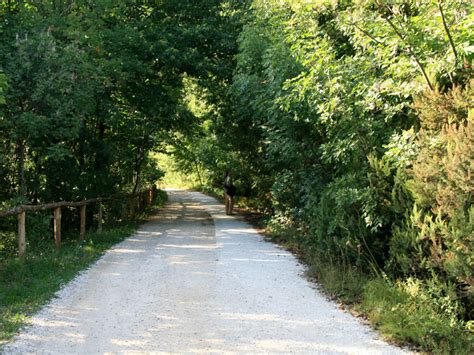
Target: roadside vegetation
350, 124
411, 312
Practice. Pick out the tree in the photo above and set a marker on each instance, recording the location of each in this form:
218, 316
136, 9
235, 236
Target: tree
95, 87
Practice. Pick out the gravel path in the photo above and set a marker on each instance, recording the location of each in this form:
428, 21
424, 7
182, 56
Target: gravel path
195, 280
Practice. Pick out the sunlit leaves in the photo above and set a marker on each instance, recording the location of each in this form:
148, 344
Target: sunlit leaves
398, 33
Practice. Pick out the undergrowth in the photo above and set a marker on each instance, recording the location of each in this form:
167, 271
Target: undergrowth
411, 311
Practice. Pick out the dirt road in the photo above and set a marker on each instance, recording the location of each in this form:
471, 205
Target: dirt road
195, 280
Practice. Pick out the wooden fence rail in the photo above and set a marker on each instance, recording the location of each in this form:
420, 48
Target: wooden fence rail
138, 201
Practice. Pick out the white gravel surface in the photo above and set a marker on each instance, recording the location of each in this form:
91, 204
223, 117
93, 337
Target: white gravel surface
195, 280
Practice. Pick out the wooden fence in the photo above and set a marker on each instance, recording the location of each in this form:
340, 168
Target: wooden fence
136, 202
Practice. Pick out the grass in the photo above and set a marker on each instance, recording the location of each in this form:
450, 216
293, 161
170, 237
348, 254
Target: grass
27, 283
407, 312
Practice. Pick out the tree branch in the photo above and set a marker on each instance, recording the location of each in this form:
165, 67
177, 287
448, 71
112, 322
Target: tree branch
409, 47
445, 25
368, 35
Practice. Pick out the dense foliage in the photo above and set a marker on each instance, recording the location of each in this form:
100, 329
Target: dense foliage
92, 87
352, 122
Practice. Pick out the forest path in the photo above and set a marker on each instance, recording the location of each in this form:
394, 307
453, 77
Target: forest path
195, 280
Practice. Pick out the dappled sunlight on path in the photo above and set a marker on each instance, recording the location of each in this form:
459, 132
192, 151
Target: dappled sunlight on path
193, 279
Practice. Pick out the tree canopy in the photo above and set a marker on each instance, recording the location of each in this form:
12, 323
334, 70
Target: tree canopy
349, 122
94, 86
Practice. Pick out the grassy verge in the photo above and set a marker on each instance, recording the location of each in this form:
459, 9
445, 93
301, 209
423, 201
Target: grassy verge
416, 313
407, 312
27, 284
410, 311
421, 314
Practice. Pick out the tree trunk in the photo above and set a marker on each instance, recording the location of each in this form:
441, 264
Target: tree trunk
20, 153
138, 168
198, 172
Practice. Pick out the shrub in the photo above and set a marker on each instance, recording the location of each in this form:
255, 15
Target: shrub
436, 235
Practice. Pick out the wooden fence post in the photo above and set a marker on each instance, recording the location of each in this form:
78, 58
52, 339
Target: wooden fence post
57, 227
21, 233
82, 232
99, 217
